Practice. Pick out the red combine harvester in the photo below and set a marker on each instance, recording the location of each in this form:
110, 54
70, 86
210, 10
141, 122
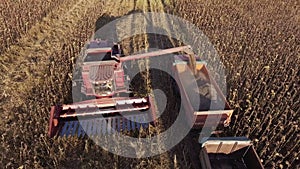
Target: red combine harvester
104, 78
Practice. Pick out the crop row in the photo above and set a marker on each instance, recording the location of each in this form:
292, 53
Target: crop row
261, 57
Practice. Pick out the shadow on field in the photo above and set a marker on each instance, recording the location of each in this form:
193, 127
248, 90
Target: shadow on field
103, 20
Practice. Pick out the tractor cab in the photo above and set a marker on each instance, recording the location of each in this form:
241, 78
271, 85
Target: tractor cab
102, 50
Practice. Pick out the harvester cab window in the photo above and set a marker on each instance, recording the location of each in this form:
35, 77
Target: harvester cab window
116, 50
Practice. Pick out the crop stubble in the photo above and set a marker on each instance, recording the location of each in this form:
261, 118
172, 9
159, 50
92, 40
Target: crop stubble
260, 50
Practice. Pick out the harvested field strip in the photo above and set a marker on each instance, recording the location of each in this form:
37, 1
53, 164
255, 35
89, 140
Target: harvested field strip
17, 18
183, 155
137, 44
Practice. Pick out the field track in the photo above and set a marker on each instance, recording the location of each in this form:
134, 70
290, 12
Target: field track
260, 50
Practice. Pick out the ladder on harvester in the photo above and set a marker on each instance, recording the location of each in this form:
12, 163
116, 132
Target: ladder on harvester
121, 82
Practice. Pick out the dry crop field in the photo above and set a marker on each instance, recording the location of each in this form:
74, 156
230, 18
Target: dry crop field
258, 42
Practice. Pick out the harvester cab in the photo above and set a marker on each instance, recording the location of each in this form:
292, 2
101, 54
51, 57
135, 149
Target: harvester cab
104, 78
99, 50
